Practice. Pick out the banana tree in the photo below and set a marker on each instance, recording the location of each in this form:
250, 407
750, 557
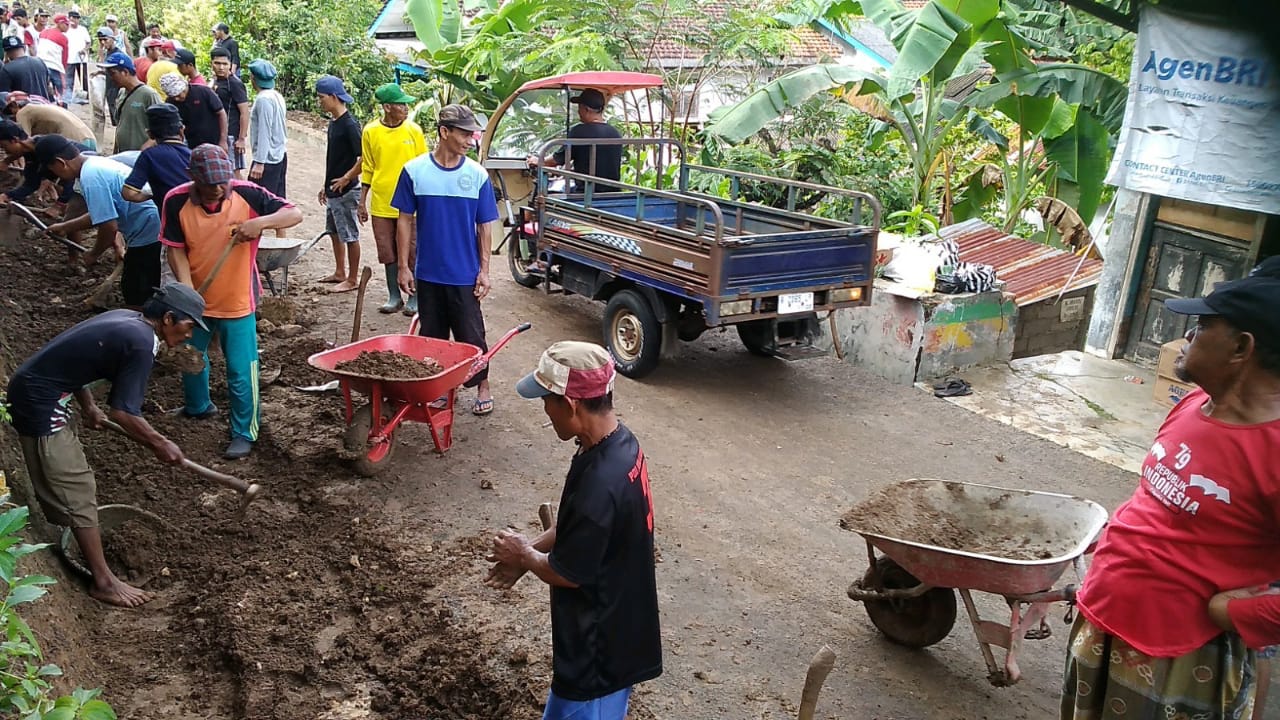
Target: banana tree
938, 45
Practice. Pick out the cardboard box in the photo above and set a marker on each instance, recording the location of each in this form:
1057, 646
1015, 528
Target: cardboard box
1170, 390
1168, 353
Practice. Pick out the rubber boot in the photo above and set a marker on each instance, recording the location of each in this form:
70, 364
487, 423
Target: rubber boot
411, 307
393, 302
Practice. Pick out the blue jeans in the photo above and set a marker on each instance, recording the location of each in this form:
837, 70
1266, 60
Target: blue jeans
55, 79
609, 707
239, 343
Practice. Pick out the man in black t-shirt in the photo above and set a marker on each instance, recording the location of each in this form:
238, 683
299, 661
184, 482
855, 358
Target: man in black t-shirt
598, 559
21, 72
340, 195
119, 347
235, 100
608, 158
202, 113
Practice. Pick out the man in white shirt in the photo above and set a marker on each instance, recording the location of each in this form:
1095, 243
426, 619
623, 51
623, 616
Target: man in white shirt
78, 42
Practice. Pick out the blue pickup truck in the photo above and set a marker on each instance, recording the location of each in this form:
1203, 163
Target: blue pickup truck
672, 262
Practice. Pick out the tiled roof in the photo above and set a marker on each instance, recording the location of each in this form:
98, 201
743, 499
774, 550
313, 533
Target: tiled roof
809, 44
1032, 271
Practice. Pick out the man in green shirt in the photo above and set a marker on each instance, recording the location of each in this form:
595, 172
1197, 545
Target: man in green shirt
131, 106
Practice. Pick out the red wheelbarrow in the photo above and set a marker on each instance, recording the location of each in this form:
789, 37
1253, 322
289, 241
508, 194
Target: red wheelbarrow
937, 538
370, 435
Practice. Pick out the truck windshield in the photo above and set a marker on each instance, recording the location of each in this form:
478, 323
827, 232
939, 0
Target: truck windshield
534, 118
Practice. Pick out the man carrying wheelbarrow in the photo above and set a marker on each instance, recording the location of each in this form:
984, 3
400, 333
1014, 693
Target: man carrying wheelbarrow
1177, 600
598, 559
211, 227
117, 346
447, 199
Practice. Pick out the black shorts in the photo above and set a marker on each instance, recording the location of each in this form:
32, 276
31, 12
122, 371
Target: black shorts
445, 309
141, 274
273, 176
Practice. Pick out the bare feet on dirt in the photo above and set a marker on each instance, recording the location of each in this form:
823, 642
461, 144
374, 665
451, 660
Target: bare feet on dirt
344, 286
119, 593
334, 278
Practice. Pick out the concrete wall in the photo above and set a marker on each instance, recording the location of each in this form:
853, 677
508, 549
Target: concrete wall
907, 338
1049, 327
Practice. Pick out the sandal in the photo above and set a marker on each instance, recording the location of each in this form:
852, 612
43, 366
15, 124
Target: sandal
482, 407
952, 387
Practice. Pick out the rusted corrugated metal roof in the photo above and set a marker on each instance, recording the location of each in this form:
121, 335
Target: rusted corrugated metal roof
1032, 271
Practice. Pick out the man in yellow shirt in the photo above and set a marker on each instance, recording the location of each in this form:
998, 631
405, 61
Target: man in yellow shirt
162, 67
387, 145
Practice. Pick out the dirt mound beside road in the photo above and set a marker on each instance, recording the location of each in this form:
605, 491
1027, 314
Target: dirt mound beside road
313, 606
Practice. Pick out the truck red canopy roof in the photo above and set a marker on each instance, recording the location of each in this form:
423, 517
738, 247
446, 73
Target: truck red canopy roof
609, 82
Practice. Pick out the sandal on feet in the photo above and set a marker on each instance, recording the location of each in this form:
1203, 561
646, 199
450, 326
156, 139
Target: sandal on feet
482, 407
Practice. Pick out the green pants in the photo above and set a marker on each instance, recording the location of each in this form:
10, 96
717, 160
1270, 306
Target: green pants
239, 342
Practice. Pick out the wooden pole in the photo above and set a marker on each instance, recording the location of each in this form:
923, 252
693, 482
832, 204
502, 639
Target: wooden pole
141, 17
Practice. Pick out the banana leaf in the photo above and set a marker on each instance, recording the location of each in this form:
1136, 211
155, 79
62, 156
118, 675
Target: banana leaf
1082, 154
775, 99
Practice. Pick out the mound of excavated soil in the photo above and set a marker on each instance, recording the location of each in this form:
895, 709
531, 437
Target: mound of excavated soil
390, 365
311, 607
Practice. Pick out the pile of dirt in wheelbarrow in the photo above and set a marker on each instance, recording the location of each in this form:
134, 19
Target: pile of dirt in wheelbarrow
320, 604
390, 365
908, 511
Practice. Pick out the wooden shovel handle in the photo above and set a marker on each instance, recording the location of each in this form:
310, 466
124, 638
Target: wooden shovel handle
243, 487
819, 667
365, 274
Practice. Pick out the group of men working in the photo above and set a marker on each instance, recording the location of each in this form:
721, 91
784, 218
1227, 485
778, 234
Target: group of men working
432, 215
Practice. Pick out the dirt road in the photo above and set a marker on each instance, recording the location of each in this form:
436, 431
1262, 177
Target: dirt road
348, 597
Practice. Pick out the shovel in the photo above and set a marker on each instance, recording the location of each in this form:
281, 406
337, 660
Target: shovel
819, 667
99, 297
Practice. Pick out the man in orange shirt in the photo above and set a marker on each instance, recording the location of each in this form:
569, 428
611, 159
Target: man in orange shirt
211, 226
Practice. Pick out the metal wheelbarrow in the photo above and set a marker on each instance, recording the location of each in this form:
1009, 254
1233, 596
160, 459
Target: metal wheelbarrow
278, 254
1012, 543
370, 434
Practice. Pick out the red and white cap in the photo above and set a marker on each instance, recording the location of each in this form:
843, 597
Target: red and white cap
572, 369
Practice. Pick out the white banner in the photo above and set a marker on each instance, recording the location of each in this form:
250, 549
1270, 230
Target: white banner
1203, 118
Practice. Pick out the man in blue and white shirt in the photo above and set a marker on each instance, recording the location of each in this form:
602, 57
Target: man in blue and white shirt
447, 199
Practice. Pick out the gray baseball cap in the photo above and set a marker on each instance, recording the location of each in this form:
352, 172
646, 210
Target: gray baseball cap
182, 299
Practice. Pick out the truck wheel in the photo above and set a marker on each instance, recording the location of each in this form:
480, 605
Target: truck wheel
632, 334
760, 337
519, 257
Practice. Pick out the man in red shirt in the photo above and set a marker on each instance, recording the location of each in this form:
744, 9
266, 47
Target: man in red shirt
1177, 600
150, 54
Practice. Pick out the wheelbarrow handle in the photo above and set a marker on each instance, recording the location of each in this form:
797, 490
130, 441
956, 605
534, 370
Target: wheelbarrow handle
34, 219
483, 361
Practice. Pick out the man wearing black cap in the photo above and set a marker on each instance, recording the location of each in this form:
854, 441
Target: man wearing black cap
186, 62
119, 347
101, 181
21, 72
1178, 598
164, 165
607, 161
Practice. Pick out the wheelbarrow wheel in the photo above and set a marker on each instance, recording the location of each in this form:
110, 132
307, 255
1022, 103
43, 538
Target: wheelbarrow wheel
914, 622
367, 459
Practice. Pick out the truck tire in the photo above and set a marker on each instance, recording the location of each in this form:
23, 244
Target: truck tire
518, 259
759, 337
632, 334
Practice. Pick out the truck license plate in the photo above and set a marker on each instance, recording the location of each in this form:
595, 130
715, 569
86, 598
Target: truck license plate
795, 303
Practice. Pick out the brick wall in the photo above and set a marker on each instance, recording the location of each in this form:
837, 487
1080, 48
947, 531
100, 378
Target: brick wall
1041, 329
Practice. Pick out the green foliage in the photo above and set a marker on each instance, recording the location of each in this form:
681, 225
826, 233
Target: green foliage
5, 417
25, 680
912, 223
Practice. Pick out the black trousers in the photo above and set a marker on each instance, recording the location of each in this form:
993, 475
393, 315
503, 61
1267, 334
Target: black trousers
140, 275
452, 309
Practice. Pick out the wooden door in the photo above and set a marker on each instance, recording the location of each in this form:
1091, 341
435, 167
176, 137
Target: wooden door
1181, 263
